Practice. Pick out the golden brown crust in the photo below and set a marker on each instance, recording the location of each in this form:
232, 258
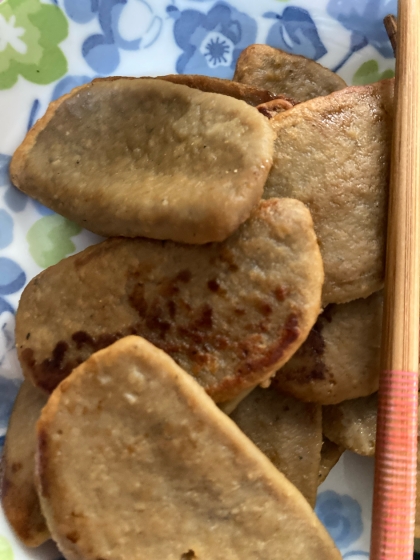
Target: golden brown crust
229, 313
146, 157
136, 461
19, 498
289, 74
333, 154
288, 432
340, 358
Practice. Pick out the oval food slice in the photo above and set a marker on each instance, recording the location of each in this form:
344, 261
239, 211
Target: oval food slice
228, 313
332, 153
145, 157
288, 432
340, 359
352, 424
136, 461
284, 73
18, 496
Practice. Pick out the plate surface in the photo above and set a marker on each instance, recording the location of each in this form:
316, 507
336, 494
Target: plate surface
47, 47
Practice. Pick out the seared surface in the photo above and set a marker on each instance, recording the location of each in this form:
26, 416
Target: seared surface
135, 461
340, 359
229, 313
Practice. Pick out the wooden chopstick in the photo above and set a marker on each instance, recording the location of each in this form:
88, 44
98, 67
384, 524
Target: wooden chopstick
390, 23
396, 441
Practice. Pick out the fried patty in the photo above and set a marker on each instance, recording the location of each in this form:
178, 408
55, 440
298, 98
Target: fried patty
136, 461
333, 154
340, 359
228, 313
146, 157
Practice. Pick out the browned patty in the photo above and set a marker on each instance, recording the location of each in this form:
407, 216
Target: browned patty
146, 157
340, 359
136, 461
288, 432
229, 313
333, 154
18, 496
287, 74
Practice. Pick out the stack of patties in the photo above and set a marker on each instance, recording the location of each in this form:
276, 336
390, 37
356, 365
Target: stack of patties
332, 153
219, 285
226, 202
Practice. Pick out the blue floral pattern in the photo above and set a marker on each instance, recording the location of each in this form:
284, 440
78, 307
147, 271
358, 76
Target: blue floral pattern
33, 113
12, 277
5, 307
294, 31
212, 41
125, 24
6, 229
14, 199
364, 18
12, 280
8, 391
342, 517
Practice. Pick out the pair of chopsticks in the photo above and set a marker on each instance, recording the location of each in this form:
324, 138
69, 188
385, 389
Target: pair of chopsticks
396, 440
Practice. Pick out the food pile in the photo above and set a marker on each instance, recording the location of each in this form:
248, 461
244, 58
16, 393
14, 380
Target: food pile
241, 276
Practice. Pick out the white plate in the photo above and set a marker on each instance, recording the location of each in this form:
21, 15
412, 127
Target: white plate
48, 47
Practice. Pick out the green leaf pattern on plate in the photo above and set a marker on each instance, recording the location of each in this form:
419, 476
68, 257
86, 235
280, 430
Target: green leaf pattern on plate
368, 73
29, 36
6, 552
49, 240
